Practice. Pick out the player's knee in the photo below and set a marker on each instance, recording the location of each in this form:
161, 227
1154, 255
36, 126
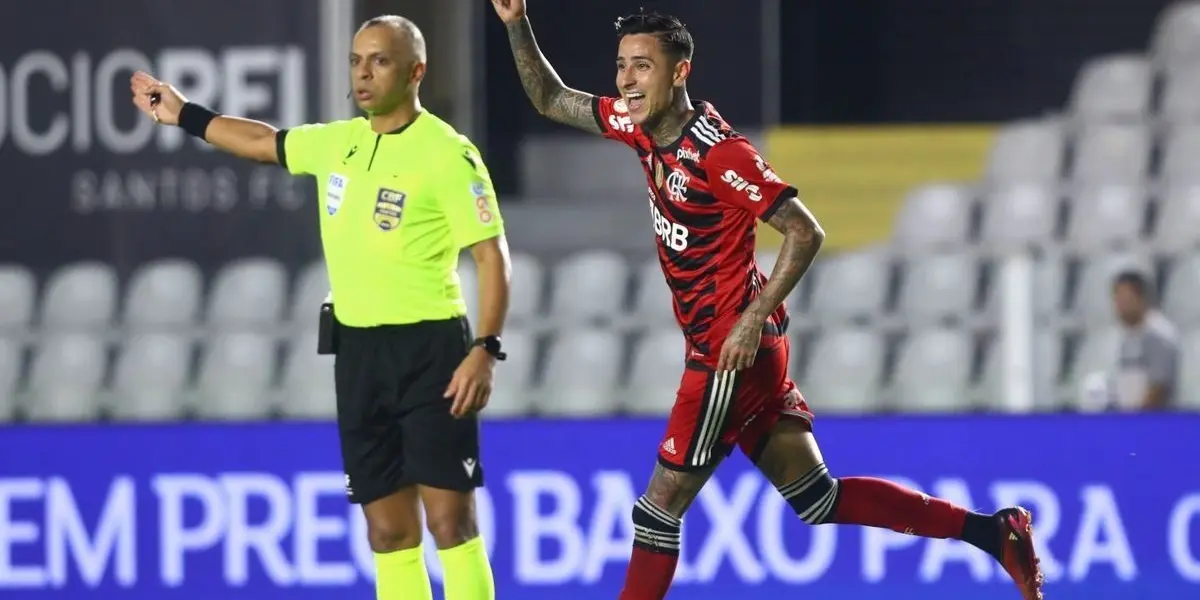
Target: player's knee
813, 496
388, 535
450, 527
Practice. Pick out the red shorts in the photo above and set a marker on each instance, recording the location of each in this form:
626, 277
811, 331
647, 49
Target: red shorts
715, 411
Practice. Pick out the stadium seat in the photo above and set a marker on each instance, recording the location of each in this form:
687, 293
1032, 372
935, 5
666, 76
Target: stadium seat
1112, 88
1176, 38
18, 295
851, 286
249, 292
589, 286
1026, 152
1097, 352
939, 287
1019, 216
1187, 396
845, 372
1047, 369
766, 259
1181, 95
933, 372
11, 362
657, 367
80, 297
1178, 220
527, 282
1181, 154
1092, 298
468, 279
235, 373
163, 294
150, 377
512, 390
68, 370
1049, 287
1181, 300
653, 305
307, 390
1112, 153
933, 217
1106, 216
583, 370
311, 289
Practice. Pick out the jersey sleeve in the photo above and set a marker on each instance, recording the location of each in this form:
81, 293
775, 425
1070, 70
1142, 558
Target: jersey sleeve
612, 116
301, 149
741, 177
468, 198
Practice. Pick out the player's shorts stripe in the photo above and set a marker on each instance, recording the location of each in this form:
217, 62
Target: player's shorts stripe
715, 412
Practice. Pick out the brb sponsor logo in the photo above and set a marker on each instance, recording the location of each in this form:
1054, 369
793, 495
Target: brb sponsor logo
59, 103
672, 235
739, 183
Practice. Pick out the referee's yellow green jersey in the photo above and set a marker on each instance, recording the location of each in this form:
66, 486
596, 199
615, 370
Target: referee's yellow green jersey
396, 210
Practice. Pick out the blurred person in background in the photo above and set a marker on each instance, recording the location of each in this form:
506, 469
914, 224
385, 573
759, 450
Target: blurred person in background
401, 194
708, 187
1148, 360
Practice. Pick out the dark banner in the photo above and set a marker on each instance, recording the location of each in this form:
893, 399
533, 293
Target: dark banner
88, 177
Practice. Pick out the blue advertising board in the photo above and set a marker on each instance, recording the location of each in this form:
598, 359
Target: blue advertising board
257, 511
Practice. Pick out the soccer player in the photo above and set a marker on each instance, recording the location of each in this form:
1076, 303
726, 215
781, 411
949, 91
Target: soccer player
400, 194
707, 186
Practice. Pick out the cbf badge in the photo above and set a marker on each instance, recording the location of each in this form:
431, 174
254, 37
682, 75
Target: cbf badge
389, 204
335, 191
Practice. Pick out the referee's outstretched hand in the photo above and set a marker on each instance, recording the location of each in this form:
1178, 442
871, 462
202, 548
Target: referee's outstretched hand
471, 386
160, 101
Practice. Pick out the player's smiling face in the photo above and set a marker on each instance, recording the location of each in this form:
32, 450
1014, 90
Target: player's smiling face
381, 69
647, 77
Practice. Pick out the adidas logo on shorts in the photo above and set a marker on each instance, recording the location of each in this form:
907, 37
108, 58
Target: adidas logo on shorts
669, 446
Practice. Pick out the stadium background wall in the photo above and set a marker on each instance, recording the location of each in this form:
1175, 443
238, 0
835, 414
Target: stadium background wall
256, 512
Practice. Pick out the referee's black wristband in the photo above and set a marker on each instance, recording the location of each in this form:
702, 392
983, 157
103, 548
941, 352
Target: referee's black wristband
194, 119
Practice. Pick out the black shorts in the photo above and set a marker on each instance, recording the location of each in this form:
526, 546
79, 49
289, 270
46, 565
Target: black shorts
395, 426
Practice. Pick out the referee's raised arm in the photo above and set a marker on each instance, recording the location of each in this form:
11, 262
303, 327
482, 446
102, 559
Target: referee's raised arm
244, 138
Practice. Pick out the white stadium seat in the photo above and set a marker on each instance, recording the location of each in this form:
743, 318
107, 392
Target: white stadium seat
163, 294
80, 297
248, 292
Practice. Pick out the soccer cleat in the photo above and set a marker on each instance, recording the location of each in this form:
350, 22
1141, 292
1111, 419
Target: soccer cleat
1017, 553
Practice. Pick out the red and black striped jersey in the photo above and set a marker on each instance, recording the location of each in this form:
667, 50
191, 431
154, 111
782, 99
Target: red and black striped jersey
706, 190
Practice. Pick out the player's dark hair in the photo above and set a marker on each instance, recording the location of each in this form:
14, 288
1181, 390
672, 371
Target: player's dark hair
671, 32
1134, 279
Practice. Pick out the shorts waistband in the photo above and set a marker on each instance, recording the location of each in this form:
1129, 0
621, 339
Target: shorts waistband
456, 324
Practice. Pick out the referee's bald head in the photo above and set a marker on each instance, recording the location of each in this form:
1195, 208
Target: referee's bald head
408, 36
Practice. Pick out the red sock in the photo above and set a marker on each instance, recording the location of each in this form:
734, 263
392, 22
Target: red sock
656, 539
879, 503
649, 575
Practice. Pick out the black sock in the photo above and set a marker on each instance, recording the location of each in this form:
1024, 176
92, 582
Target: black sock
983, 532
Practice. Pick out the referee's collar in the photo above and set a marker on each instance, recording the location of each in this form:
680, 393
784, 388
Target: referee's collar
402, 128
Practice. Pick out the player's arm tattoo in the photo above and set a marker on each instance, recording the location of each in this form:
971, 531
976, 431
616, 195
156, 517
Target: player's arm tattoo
802, 238
674, 491
545, 89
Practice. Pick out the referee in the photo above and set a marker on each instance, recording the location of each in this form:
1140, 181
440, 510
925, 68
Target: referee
401, 193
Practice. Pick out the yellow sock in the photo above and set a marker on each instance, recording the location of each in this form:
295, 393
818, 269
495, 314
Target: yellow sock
401, 575
466, 572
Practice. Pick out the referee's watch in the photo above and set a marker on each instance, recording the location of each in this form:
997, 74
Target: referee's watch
491, 345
